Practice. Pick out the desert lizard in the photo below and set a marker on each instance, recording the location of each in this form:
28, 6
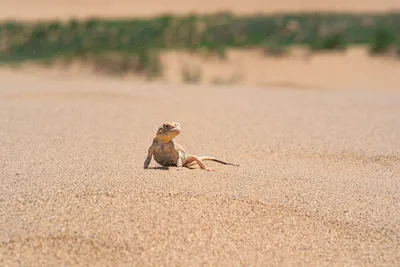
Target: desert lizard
167, 152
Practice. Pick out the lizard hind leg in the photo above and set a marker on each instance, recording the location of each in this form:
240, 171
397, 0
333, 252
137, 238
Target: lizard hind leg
193, 160
191, 164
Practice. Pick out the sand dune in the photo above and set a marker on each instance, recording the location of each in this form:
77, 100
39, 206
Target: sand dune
318, 181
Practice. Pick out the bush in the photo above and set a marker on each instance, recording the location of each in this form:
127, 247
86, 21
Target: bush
331, 42
382, 41
135, 38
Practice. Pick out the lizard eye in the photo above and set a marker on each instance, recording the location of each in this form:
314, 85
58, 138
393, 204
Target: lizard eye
166, 126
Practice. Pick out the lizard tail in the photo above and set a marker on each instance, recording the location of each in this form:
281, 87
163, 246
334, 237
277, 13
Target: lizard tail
217, 160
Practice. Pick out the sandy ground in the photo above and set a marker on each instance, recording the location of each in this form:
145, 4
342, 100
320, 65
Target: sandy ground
318, 182
354, 68
64, 9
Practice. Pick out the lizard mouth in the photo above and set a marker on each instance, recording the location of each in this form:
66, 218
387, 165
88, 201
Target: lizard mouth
176, 130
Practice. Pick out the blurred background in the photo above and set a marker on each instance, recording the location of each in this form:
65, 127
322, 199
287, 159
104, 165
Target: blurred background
299, 44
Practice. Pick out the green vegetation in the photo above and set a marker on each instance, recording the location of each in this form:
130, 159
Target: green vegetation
119, 46
382, 41
334, 41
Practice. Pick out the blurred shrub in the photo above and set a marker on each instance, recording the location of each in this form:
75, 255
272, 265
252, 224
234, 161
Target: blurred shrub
331, 42
382, 41
138, 41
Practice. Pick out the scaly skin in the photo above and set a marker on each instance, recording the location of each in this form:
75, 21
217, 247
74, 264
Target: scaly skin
167, 152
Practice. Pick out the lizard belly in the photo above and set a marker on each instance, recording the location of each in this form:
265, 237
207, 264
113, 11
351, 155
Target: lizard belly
166, 155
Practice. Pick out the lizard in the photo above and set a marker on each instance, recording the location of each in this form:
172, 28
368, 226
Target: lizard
167, 152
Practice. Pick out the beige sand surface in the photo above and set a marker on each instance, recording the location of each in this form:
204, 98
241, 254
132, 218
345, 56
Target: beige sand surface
354, 69
318, 182
64, 9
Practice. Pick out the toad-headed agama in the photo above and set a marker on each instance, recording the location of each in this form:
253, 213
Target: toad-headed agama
167, 152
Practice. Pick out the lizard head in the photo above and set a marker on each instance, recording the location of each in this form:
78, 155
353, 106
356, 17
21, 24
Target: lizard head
168, 131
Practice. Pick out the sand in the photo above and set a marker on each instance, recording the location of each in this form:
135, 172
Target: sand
353, 69
318, 181
65, 9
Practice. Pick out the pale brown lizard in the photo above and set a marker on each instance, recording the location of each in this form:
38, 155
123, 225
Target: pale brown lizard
167, 152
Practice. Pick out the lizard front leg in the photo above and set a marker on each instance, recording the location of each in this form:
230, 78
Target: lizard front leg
149, 156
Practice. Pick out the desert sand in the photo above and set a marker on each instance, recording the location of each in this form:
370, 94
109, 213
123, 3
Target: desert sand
319, 175
65, 9
318, 181
353, 69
